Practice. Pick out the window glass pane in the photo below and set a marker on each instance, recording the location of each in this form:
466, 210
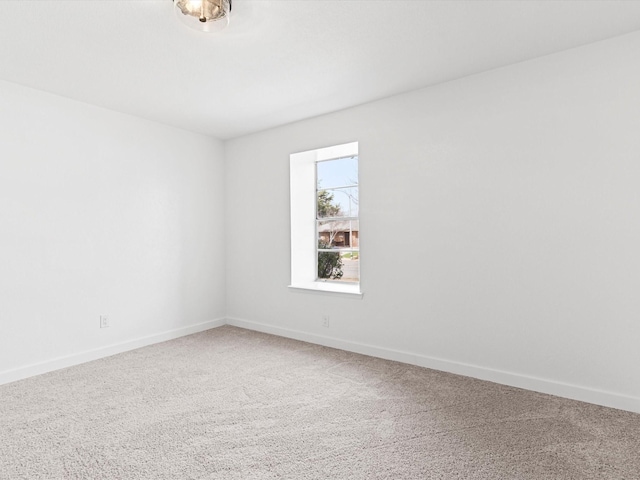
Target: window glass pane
329, 265
339, 266
339, 202
350, 266
338, 234
337, 173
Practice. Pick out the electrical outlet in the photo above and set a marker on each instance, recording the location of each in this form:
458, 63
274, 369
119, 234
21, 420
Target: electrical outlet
104, 321
325, 321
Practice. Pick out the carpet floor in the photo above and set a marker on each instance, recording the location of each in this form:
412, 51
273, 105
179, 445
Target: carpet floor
230, 403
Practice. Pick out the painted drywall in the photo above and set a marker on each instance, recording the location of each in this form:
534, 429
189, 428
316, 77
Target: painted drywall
500, 225
102, 214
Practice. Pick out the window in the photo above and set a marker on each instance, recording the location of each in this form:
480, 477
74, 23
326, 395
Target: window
325, 223
338, 229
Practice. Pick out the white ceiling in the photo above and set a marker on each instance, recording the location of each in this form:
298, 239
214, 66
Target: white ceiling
280, 60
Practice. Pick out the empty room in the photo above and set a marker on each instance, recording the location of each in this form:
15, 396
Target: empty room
320, 239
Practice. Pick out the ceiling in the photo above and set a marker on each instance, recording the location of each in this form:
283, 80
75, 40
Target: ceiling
280, 61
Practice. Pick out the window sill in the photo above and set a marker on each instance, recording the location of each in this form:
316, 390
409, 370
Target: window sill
330, 288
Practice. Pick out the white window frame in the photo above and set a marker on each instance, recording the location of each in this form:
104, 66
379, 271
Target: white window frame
303, 199
343, 219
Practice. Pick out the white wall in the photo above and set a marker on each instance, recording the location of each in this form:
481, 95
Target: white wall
102, 213
500, 219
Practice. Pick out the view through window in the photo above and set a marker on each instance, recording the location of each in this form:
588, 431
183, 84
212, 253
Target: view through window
337, 223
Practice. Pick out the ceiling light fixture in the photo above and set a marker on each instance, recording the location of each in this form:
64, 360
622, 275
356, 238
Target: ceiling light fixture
203, 15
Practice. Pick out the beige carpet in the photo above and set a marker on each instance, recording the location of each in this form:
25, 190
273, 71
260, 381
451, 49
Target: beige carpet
234, 404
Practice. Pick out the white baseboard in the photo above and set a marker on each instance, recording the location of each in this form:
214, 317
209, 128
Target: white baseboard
77, 358
574, 392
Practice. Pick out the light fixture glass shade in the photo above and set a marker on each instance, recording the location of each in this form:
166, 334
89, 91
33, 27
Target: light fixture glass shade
203, 15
